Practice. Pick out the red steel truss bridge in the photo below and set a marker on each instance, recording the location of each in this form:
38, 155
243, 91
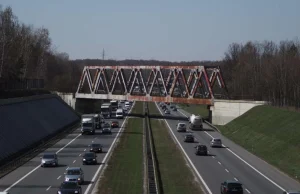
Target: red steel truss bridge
178, 84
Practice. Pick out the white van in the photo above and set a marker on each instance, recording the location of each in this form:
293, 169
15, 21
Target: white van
119, 113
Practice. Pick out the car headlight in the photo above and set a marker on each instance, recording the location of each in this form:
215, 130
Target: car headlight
76, 191
83, 159
94, 159
43, 161
59, 192
67, 179
79, 179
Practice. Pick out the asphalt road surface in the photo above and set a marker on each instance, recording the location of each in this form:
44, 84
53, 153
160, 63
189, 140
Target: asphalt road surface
231, 162
33, 179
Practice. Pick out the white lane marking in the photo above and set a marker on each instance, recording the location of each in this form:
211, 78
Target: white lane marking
192, 164
29, 173
106, 156
48, 188
74, 161
58, 177
67, 168
213, 157
219, 163
79, 154
92, 141
226, 170
250, 165
245, 161
247, 190
84, 150
236, 179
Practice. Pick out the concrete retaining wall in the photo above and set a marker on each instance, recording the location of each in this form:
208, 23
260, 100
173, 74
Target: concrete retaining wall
68, 98
25, 121
225, 111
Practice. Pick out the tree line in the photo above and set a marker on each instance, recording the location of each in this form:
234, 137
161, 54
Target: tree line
254, 70
26, 53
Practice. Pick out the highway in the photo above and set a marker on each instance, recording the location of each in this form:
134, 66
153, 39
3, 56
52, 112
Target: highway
33, 179
229, 163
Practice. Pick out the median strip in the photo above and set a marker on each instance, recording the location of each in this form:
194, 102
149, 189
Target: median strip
176, 177
124, 170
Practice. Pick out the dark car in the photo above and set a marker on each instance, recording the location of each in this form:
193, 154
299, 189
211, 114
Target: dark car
189, 138
114, 124
231, 187
89, 158
201, 150
106, 130
95, 147
69, 187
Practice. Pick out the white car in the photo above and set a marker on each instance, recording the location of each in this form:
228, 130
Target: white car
181, 127
216, 142
127, 104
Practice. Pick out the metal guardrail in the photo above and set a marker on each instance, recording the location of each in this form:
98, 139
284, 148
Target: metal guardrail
151, 161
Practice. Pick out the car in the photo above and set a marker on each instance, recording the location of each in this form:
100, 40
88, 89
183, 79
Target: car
164, 107
216, 142
201, 150
69, 187
74, 174
49, 159
106, 130
174, 109
291, 192
114, 124
231, 187
122, 101
167, 112
96, 147
105, 125
172, 106
89, 158
189, 138
181, 127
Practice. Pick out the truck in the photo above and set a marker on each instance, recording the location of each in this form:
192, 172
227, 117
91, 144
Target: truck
114, 105
89, 123
106, 110
195, 122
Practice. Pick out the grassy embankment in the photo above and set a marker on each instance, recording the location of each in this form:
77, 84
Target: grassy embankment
195, 109
271, 133
176, 177
124, 173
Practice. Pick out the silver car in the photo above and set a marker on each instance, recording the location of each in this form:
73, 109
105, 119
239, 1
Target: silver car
74, 174
181, 127
49, 159
216, 142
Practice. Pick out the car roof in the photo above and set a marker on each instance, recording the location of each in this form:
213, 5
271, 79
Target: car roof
232, 181
74, 168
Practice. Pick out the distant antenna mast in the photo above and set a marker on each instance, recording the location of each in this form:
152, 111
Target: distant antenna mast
103, 54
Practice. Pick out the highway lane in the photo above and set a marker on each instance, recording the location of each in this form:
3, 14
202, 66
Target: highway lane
253, 181
47, 180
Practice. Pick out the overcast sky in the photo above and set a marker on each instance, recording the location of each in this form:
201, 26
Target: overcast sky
158, 29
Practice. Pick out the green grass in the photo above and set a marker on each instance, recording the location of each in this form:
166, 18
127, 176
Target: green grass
176, 176
195, 109
271, 133
138, 108
124, 173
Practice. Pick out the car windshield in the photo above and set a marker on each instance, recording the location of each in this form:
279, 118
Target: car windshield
234, 185
114, 122
89, 155
106, 129
181, 125
68, 185
217, 140
73, 172
96, 145
189, 136
87, 124
48, 156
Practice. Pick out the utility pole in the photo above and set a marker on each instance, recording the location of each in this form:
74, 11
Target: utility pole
103, 54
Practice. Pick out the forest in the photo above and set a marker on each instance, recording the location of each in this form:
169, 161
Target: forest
253, 70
